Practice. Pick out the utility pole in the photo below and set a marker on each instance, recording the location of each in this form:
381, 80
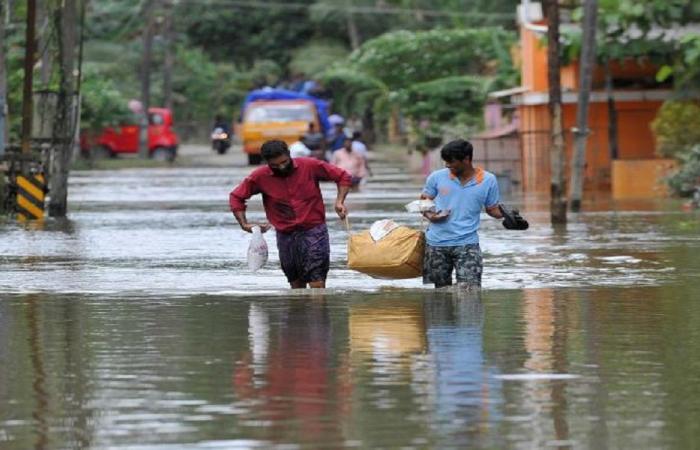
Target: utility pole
29, 52
66, 25
590, 16
146, 77
557, 153
3, 82
44, 20
168, 59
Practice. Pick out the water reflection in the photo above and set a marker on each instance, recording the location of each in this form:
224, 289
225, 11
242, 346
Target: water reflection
558, 368
39, 382
464, 393
283, 378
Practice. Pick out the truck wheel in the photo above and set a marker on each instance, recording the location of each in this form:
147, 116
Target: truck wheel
254, 159
162, 154
101, 152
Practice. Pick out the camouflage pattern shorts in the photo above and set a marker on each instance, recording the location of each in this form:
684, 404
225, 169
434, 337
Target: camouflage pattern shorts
439, 262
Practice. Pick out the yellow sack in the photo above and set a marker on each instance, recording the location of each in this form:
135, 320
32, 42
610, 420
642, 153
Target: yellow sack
397, 255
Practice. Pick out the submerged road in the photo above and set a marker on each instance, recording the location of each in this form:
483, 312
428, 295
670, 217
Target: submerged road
169, 231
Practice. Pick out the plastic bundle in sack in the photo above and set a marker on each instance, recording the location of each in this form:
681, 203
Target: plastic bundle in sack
257, 250
387, 250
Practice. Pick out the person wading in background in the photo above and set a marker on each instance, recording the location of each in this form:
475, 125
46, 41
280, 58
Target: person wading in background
294, 206
353, 162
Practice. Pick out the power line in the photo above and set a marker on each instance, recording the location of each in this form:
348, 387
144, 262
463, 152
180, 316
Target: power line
352, 9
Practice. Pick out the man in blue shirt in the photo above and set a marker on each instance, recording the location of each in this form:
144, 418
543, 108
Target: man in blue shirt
460, 191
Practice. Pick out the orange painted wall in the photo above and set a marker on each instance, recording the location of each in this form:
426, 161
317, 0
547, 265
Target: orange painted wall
641, 178
534, 58
635, 141
534, 126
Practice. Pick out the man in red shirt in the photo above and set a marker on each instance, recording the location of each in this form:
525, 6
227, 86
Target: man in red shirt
294, 206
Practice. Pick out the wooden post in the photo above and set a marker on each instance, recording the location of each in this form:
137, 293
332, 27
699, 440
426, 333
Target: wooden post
43, 13
590, 13
66, 25
3, 83
146, 77
168, 57
29, 51
558, 155
613, 145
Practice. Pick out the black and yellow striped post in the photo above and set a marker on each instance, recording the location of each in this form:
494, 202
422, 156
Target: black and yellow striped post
31, 190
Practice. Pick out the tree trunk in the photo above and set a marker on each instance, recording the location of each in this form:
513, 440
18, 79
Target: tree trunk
353, 33
612, 114
168, 58
66, 25
584, 93
146, 78
27, 92
3, 82
557, 153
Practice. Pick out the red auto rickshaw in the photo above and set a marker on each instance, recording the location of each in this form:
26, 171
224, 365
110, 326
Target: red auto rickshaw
111, 142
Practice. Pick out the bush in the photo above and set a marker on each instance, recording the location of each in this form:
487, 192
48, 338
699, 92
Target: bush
677, 128
687, 180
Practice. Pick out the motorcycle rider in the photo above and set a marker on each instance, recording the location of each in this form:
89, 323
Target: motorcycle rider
221, 135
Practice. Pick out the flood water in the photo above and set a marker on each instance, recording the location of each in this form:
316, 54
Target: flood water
137, 324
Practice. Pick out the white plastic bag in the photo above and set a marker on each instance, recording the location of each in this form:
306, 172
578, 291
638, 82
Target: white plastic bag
257, 250
381, 228
420, 206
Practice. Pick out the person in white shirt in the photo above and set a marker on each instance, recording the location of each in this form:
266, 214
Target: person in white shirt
299, 150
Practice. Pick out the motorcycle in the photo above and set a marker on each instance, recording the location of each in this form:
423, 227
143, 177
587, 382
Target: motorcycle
220, 140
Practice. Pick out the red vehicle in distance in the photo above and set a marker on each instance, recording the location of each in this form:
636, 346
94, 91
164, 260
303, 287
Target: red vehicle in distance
124, 140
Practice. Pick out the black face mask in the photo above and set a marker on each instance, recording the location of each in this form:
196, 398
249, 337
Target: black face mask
283, 171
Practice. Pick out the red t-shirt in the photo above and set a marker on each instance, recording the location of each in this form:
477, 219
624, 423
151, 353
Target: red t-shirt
293, 202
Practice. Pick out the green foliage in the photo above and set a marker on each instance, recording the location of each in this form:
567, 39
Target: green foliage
686, 67
330, 20
317, 56
677, 128
635, 29
354, 91
687, 179
222, 51
446, 99
203, 88
245, 35
265, 72
102, 103
439, 76
402, 58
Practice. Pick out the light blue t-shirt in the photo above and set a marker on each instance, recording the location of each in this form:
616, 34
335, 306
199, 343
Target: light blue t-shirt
465, 203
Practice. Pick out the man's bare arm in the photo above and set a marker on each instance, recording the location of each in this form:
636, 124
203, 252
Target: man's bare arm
495, 212
340, 207
243, 222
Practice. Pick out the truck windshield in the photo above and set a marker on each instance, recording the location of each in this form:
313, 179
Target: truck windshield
267, 112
